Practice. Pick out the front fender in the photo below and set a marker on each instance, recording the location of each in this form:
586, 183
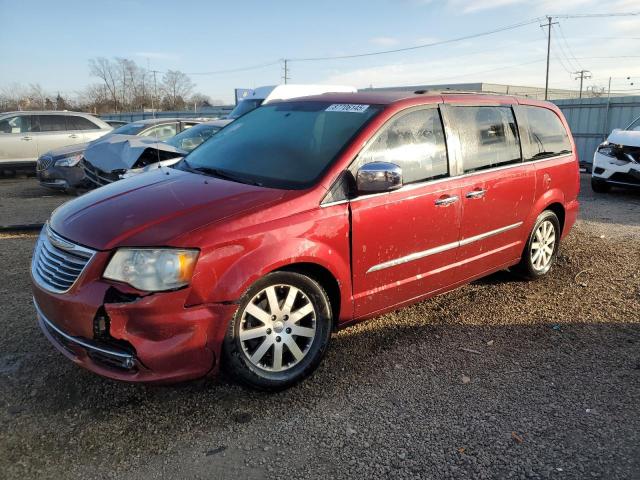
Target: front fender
227, 271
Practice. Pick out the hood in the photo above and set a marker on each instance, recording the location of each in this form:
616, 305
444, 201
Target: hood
155, 208
629, 138
66, 151
121, 152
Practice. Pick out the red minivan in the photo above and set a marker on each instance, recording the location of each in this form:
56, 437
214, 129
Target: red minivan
300, 218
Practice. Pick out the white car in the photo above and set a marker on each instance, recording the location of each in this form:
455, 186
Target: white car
24, 136
262, 95
617, 160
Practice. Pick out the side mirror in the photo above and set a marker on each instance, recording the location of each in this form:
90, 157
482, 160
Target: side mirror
378, 177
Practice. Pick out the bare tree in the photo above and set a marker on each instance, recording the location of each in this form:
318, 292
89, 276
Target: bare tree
200, 100
176, 87
106, 71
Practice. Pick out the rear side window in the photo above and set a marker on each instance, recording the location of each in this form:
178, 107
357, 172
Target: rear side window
414, 142
80, 123
52, 123
547, 135
488, 137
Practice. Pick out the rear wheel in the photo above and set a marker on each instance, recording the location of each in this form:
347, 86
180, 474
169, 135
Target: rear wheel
542, 247
280, 331
599, 186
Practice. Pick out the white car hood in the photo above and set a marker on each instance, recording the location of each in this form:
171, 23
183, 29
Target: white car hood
121, 152
630, 138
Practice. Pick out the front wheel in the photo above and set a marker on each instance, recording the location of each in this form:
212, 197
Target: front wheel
280, 331
542, 247
599, 186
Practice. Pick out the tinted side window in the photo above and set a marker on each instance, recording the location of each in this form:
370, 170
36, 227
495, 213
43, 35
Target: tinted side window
414, 142
547, 135
161, 132
52, 123
18, 124
80, 123
488, 137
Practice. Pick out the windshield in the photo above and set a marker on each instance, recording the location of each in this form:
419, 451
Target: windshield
635, 125
129, 129
284, 145
192, 137
245, 106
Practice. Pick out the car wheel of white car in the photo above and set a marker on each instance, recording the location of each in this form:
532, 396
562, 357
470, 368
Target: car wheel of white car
599, 186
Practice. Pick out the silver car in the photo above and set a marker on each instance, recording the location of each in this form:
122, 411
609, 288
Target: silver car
24, 136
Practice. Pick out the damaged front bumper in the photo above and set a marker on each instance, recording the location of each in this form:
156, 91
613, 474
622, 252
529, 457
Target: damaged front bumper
153, 338
623, 168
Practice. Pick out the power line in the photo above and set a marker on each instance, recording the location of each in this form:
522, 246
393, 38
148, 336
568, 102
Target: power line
416, 47
239, 69
564, 39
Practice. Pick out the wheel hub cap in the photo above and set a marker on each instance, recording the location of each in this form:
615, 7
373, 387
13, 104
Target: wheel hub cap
277, 328
543, 245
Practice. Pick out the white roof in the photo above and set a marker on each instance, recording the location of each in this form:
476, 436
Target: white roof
285, 92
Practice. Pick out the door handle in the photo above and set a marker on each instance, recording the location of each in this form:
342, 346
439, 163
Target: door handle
73, 135
476, 193
447, 200
27, 138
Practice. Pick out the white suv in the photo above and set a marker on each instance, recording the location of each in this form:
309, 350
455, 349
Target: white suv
24, 136
617, 160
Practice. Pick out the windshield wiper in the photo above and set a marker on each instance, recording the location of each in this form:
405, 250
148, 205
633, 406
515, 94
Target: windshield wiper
225, 175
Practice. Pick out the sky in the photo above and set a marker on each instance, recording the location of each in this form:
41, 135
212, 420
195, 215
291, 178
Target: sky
50, 42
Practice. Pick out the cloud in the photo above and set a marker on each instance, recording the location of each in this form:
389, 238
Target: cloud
384, 41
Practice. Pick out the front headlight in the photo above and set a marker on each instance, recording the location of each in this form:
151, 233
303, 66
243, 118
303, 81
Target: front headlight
606, 148
152, 269
70, 161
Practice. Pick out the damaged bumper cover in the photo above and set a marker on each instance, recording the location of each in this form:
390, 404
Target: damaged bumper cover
617, 164
153, 338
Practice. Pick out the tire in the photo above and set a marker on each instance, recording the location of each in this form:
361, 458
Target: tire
536, 262
263, 315
599, 186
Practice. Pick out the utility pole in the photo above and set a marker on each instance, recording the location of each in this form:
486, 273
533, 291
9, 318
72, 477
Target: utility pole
285, 76
582, 75
605, 127
155, 91
546, 83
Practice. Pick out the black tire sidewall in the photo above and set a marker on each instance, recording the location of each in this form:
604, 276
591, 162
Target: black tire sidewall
241, 367
599, 186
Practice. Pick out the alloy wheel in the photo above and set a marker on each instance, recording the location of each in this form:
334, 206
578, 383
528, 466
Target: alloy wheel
543, 246
277, 327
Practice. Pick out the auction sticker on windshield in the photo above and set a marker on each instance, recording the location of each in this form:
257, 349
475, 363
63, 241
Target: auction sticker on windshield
347, 107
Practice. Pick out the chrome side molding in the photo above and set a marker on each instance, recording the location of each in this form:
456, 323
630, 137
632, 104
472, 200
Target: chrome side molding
441, 248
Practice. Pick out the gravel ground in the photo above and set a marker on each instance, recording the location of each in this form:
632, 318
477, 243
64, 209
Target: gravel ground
24, 201
548, 387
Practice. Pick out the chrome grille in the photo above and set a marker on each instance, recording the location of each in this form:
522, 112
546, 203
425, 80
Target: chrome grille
44, 162
96, 176
57, 263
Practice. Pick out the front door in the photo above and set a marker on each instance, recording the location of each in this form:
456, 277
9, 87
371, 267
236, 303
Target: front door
17, 142
497, 187
404, 242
